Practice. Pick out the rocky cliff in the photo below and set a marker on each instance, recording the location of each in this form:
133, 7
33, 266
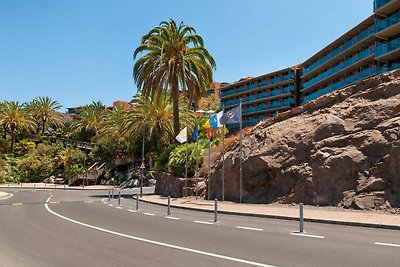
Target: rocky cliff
342, 149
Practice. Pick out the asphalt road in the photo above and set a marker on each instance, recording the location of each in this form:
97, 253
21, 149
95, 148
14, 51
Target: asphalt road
81, 228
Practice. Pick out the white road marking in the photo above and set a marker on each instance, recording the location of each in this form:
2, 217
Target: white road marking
7, 197
172, 218
202, 222
47, 201
132, 210
149, 214
119, 207
306, 235
157, 243
387, 244
110, 205
249, 228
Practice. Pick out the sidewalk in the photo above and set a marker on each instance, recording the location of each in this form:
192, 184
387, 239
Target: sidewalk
311, 213
54, 186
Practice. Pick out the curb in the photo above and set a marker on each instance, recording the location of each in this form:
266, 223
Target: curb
282, 217
52, 188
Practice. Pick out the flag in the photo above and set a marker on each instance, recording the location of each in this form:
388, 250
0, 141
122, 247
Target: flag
208, 129
215, 120
195, 132
231, 116
182, 136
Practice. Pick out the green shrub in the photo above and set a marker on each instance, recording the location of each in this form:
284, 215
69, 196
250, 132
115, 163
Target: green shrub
24, 146
177, 159
35, 168
161, 163
5, 145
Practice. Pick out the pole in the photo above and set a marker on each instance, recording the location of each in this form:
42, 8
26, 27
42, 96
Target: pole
119, 198
301, 218
197, 157
186, 163
141, 178
215, 210
137, 201
223, 159
241, 155
209, 162
169, 206
109, 195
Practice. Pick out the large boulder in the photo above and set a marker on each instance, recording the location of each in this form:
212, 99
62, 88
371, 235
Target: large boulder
342, 149
169, 185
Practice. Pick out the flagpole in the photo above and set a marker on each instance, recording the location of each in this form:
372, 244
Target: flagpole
240, 154
209, 161
197, 155
223, 159
186, 163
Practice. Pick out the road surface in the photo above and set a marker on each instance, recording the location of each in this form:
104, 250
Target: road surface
81, 228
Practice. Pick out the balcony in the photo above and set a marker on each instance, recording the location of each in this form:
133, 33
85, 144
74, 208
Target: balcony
245, 88
274, 105
388, 47
346, 45
379, 3
384, 24
347, 81
350, 61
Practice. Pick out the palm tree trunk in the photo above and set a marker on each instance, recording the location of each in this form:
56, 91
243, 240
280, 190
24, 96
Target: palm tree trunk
43, 124
175, 106
12, 139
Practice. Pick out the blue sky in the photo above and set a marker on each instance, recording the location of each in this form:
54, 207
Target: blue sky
79, 51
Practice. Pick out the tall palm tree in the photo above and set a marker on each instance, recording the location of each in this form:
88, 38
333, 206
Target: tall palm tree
175, 62
13, 117
44, 111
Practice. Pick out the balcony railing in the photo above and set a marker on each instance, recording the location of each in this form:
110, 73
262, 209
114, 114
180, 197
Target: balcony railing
349, 80
390, 21
261, 84
349, 43
380, 3
263, 107
388, 47
364, 54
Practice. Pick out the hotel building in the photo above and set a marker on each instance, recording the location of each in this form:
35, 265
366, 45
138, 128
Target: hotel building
370, 48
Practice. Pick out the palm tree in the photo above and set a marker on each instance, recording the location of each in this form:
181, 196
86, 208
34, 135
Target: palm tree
113, 123
13, 117
44, 111
156, 118
175, 62
89, 119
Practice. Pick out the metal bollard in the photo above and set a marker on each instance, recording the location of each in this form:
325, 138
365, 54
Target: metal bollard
55, 186
137, 201
119, 199
34, 186
215, 210
64, 186
301, 218
45, 186
112, 193
8, 185
109, 195
21, 185
169, 206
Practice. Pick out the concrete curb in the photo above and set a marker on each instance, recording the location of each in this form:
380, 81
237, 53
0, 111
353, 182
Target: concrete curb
59, 187
282, 217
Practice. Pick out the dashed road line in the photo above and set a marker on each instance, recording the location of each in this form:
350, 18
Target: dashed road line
17, 204
149, 214
203, 222
110, 205
172, 218
387, 244
119, 208
307, 235
54, 202
249, 228
7, 197
89, 201
132, 210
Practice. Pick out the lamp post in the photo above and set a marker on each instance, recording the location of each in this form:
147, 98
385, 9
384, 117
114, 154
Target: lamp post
142, 166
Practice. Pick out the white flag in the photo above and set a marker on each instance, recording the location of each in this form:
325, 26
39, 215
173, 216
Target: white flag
182, 136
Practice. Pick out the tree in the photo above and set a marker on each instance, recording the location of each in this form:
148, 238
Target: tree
156, 118
175, 62
113, 123
13, 117
89, 119
44, 111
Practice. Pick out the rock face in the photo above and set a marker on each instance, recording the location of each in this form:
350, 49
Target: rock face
342, 149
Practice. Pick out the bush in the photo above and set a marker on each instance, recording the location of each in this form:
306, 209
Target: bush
177, 159
5, 145
24, 146
35, 168
161, 164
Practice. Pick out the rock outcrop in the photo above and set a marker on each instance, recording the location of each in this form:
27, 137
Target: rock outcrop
342, 149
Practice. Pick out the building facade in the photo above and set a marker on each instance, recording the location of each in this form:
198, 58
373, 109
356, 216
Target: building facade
370, 48
263, 96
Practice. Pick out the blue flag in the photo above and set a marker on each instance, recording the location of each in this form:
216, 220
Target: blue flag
231, 116
195, 132
215, 120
